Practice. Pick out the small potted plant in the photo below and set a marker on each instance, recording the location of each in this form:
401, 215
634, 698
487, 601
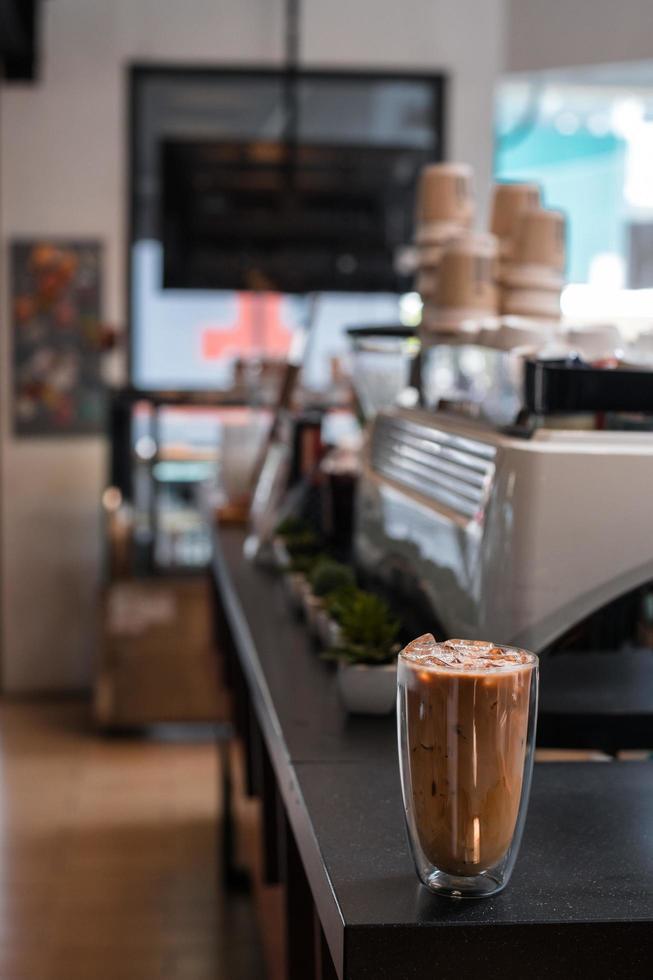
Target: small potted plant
334, 608
367, 655
287, 529
327, 577
302, 549
298, 579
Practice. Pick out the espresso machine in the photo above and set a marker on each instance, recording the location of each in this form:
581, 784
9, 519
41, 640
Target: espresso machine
523, 518
513, 504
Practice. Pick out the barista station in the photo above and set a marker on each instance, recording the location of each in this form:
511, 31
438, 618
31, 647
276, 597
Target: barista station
497, 493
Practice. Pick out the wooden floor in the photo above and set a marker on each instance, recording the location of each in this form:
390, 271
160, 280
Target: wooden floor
108, 857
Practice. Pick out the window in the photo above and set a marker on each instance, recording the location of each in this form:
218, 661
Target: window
587, 137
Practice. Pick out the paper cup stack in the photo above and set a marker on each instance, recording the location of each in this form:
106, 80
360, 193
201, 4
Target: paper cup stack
445, 209
466, 279
466, 293
532, 273
508, 205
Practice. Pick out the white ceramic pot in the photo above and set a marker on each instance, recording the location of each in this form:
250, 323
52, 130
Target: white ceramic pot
328, 631
280, 553
296, 586
321, 626
334, 634
313, 605
367, 690
304, 589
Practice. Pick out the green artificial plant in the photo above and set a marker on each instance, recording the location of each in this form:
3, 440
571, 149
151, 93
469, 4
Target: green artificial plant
329, 576
369, 630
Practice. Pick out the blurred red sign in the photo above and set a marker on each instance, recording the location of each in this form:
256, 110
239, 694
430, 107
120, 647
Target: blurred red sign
258, 330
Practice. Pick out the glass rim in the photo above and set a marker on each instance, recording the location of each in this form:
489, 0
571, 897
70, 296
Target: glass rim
532, 661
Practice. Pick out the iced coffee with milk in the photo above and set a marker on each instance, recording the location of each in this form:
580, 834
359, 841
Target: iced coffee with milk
466, 730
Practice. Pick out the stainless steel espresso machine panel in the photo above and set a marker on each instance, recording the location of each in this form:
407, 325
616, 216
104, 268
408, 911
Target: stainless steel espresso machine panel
449, 469
513, 539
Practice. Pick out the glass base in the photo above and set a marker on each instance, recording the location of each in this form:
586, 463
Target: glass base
456, 886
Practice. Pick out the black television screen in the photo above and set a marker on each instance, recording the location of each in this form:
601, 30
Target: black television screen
265, 215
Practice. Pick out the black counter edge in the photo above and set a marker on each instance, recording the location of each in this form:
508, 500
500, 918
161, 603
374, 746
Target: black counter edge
321, 887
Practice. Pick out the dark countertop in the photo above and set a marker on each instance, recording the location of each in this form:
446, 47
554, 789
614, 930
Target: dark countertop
581, 878
585, 869
285, 670
580, 902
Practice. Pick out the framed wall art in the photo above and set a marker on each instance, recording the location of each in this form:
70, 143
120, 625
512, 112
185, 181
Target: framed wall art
58, 337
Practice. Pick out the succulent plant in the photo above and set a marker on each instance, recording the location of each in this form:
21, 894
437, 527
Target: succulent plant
304, 543
369, 630
330, 576
337, 602
303, 551
291, 527
303, 562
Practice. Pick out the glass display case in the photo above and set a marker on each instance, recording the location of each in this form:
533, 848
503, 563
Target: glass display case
174, 462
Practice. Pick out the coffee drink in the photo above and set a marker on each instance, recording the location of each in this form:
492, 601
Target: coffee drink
466, 708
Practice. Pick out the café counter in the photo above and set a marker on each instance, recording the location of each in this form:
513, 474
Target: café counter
580, 902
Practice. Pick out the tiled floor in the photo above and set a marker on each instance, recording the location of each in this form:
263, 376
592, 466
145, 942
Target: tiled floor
108, 857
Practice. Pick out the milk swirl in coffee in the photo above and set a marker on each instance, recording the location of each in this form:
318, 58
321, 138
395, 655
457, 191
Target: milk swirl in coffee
466, 712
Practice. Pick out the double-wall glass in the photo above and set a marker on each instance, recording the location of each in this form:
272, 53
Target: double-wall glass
466, 724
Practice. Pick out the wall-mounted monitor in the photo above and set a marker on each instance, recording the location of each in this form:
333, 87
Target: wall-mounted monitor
250, 190
307, 218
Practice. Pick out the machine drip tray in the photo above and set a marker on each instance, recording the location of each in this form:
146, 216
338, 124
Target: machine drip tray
597, 700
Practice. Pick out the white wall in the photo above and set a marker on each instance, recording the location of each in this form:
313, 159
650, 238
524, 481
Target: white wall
462, 37
62, 171
546, 34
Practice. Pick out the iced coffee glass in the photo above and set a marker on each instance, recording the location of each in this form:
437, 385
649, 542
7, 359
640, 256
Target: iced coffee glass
466, 724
